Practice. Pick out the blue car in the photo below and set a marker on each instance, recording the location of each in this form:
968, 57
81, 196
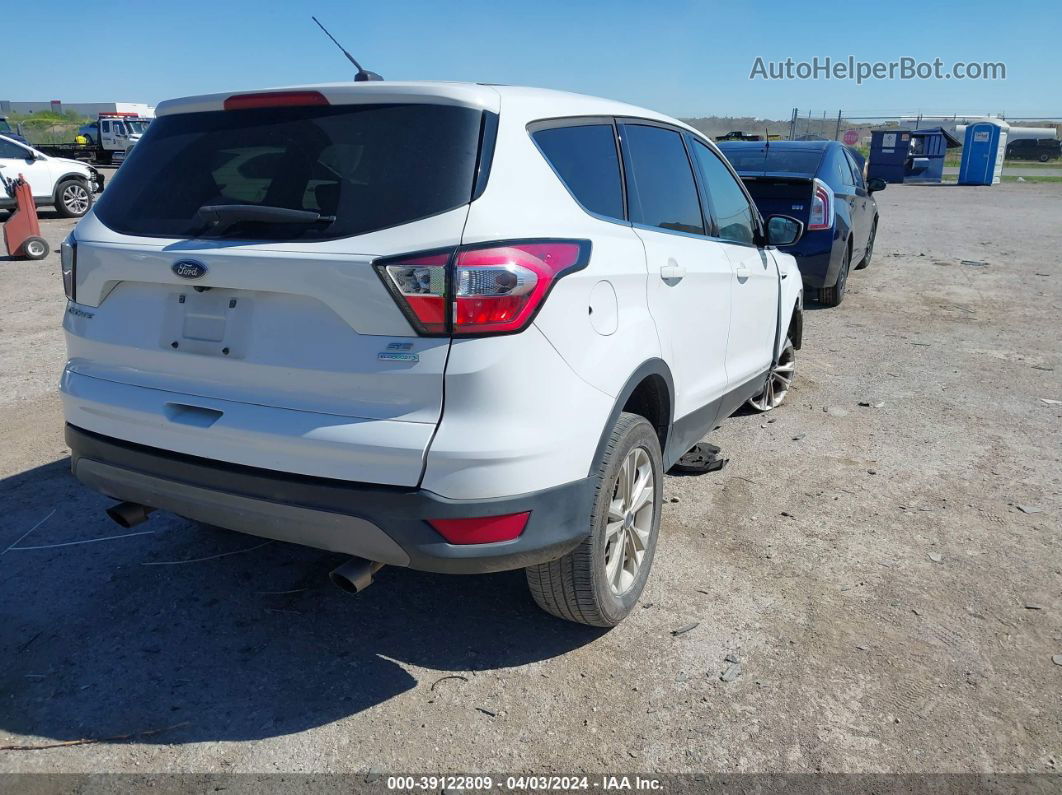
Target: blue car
7, 130
821, 184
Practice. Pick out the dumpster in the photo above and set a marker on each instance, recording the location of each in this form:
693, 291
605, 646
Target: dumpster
925, 161
982, 152
888, 154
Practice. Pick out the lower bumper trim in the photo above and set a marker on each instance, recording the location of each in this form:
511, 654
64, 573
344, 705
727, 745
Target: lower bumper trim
388, 524
332, 531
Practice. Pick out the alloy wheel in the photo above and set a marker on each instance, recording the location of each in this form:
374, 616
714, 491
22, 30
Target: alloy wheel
779, 381
76, 199
630, 520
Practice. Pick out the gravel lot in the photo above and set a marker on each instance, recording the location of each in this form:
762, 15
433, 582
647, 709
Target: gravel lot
891, 605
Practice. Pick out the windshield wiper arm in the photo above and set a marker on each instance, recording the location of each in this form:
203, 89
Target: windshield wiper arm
220, 217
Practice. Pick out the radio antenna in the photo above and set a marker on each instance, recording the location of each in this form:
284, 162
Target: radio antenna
363, 75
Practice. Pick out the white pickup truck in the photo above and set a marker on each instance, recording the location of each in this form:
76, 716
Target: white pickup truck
106, 141
113, 135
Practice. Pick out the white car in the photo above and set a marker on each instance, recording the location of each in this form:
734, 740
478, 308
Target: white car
459, 328
66, 185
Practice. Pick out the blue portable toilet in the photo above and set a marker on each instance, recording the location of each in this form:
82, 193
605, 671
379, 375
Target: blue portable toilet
982, 152
888, 154
925, 163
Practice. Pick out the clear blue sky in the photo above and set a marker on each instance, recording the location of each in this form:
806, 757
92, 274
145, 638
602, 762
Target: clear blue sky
681, 57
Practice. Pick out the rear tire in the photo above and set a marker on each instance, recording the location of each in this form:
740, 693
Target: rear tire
832, 296
73, 198
865, 262
599, 582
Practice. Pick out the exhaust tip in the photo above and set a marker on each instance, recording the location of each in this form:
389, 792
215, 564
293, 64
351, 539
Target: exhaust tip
342, 583
355, 575
129, 514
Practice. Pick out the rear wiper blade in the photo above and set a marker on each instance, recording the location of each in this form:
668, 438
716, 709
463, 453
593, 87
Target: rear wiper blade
219, 217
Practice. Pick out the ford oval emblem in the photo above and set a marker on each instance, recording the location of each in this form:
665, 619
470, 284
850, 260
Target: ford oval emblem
189, 269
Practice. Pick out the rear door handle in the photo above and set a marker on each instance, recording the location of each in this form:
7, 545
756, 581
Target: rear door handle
742, 273
672, 270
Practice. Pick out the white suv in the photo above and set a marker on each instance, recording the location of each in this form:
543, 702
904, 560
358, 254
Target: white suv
66, 185
459, 328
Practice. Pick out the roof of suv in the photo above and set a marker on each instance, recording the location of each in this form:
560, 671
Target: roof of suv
521, 101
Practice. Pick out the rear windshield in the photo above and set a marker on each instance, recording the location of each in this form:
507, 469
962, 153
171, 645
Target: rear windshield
757, 160
370, 166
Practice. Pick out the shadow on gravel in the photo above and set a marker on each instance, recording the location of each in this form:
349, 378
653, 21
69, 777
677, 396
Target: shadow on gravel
250, 645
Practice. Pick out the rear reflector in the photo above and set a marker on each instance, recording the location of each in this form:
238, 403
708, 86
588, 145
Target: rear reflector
490, 288
481, 529
275, 99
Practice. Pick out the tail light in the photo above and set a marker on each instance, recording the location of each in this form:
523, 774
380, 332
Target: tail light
481, 529
821, 206
491, 288
68, 265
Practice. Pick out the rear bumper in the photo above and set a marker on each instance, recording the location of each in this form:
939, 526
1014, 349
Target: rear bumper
383, 523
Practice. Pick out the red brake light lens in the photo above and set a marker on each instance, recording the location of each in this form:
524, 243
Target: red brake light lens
481, 529
499, 288
275, 99
493, 288
418, 284
821, 216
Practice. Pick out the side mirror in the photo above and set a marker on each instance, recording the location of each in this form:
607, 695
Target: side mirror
783, 230
876, 184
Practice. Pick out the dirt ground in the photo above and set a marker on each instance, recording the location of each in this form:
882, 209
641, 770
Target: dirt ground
891, 606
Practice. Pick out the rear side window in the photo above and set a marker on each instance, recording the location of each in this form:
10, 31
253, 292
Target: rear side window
844, 170
660, 183
370, 166
730, 209
857, 169
584, 156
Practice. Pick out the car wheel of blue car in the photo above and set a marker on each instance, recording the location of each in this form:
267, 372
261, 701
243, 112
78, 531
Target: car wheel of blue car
832, 296
865, 262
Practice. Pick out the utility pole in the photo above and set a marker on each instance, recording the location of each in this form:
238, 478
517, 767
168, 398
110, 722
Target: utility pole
837, 132
793, 123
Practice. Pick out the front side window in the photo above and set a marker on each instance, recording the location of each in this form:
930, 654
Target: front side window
584, 156
361, 167
660, 184
730, 208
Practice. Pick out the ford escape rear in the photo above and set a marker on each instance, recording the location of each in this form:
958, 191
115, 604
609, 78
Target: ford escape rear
426, 325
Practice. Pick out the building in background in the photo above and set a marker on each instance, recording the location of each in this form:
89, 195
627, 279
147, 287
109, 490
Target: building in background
90, 109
